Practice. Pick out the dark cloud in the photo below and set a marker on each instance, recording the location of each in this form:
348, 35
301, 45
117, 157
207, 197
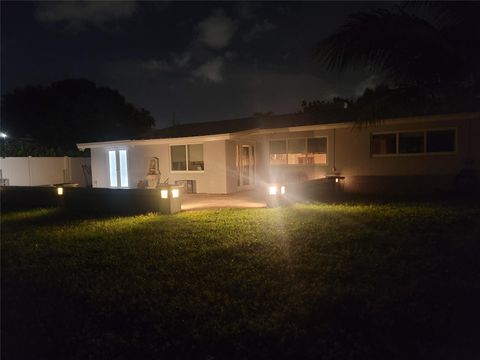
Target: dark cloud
258, 29
211, 70
217, 30
77, 14
197, 60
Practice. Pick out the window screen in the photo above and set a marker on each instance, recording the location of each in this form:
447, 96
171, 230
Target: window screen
441, 141
411, 142
278, 152
384, 144
195, 157
179, 157
317, 151
296, 151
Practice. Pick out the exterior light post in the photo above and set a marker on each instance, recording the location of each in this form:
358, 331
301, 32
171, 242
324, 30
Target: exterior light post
170, 199
275, 195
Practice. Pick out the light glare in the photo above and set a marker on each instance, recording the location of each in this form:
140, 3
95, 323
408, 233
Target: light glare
3, 135
60, 191
272, 190
282, 190
175, 193
164, 194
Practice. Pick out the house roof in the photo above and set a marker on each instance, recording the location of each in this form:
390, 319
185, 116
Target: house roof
242, 124
225, 129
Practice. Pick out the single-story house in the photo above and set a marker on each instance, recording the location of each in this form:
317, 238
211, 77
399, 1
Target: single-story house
405, 154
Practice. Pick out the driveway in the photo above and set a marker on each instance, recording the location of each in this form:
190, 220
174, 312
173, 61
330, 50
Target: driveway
241, 199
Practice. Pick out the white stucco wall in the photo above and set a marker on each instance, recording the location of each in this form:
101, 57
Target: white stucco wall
39, 171
231, 165
348, 153
353, 156
211, 180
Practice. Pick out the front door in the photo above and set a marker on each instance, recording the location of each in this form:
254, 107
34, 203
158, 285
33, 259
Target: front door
245, 165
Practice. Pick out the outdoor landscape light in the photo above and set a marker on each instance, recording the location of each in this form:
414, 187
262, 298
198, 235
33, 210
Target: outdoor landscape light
272, 190
175, 193
164, 194
60, 191
282, 190
3, 135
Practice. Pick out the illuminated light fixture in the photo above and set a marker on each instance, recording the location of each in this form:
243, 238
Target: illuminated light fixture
60, 191
164, 194
282, 190
336, 180
272, 190
3, 135
175, 193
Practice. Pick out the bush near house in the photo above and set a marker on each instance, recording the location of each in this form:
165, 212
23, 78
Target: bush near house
389, 281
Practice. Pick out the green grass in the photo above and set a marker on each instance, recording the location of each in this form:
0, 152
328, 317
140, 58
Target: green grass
390, 281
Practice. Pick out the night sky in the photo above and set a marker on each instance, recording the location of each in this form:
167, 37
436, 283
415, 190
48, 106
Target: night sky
203, 61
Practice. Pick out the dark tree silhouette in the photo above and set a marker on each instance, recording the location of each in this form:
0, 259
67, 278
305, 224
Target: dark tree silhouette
71, 111
429, 52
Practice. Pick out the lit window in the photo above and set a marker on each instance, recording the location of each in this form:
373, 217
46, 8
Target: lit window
278, 152
123, 168
164, 194
297, 151
317, 151
175, 193
112, 162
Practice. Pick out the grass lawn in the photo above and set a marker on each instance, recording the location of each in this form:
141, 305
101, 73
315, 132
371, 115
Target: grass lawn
391, 281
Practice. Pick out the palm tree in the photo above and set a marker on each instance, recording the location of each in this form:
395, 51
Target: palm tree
429, 48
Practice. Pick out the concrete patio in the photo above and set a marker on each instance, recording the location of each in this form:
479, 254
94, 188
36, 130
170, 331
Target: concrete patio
243, 199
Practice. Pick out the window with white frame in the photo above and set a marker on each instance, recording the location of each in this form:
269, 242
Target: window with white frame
298, 151
187, 157
118, 168
414, 142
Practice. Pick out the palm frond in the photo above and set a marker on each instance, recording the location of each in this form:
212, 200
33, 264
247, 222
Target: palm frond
402, 46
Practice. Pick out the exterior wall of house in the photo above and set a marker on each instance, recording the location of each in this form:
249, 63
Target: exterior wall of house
99, 167
211, 180
405, 172
40, 171
349, 155
231, 165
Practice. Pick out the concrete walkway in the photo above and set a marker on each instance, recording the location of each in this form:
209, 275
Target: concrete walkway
242, 199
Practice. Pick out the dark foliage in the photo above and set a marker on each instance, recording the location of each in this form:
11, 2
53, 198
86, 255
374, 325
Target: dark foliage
15, 147
385, 102
71, 111
407, 48
429, 52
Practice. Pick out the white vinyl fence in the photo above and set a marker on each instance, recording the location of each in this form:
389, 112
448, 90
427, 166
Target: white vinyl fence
39, 171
